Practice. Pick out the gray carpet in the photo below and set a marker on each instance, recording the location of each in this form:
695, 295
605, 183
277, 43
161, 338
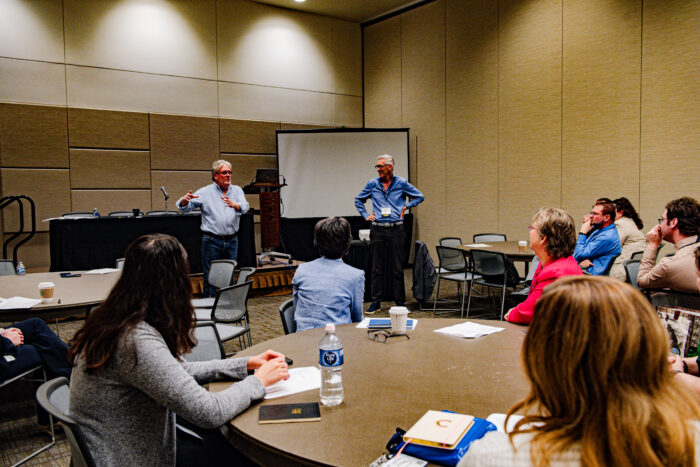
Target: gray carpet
20, 435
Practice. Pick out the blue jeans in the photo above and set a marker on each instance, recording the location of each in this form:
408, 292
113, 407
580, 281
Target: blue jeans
216, 248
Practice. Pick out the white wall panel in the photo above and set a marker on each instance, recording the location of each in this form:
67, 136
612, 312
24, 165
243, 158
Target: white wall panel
347, 58
259, 44
140, 92
31, 29
347, 111
247, 102
32, 82
155, 36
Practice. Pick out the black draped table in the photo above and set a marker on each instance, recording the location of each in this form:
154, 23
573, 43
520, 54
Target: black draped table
91, 243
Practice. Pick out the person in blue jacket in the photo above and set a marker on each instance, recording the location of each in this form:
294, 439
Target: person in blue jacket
598, 242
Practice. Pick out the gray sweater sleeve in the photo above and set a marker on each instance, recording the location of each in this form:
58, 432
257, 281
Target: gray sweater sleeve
176, 385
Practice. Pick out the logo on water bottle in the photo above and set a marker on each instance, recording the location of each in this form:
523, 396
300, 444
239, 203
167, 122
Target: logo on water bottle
331, 357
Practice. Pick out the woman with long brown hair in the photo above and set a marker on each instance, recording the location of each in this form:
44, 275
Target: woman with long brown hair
632, 239
601, 390
129, 380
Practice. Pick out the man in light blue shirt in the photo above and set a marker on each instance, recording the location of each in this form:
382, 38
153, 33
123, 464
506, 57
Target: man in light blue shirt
326, 290
222, 205
389, 195
598, 243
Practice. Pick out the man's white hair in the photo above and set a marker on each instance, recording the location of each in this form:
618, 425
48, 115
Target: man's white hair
217, 165
387, 158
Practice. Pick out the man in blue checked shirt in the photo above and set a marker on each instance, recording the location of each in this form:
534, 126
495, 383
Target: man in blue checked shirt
598, 242
222, 205
389, 195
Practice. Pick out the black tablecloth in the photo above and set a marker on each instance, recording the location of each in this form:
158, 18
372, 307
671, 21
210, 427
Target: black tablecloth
80, 244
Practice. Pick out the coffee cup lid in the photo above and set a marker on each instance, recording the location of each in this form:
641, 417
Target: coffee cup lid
398, 310
46, 285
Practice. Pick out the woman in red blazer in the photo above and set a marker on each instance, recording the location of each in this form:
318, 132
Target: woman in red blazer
553, 239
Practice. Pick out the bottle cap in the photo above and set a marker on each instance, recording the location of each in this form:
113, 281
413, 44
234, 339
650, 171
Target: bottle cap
330, 327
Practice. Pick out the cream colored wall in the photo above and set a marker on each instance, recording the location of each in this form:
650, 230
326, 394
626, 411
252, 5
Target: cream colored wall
226, 58
539, 103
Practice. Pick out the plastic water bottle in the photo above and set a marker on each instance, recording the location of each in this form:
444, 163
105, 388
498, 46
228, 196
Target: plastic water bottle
21, 270
330, 352
95, 213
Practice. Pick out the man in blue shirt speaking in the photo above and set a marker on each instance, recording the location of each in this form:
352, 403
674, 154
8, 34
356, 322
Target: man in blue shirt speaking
598, 242
388, 193
222, 205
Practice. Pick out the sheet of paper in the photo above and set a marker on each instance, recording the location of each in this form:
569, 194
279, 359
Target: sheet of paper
101, 271
469, 330
478, 245
14, 303
404, 460
300, 380
364, 324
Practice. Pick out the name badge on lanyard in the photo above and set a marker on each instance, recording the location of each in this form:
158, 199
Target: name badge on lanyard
386, 212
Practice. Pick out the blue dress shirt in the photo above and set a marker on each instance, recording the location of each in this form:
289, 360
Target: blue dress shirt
394, 197
217, 218
327, 291
600, 247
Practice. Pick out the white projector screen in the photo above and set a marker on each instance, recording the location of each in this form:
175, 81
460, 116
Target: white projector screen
326, 169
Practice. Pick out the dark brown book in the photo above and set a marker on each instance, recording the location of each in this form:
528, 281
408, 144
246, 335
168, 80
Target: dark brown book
285, 413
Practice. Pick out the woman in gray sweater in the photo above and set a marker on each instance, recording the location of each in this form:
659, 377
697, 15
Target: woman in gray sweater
129, 379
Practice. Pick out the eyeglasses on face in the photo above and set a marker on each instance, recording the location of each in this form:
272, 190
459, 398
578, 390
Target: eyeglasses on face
662, 219
381, 166
224, 172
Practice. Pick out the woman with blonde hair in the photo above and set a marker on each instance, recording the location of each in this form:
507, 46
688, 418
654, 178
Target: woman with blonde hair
601, 389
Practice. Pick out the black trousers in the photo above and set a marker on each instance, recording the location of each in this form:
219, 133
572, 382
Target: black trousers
212, 450
387, 241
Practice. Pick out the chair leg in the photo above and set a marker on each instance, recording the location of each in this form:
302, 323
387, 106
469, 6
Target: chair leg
503, 301
437, 293
461, 308
469, 300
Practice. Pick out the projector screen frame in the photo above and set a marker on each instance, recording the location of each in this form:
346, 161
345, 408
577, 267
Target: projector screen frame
404, 131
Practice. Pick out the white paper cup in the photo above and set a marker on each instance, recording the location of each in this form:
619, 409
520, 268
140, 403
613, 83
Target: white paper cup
364, 235
522, 246
399, 318
46, 291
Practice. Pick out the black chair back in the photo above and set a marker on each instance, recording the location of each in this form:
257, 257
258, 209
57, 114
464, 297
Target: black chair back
287, 316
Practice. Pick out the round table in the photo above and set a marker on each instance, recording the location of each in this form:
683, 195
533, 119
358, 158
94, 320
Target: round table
76, 294
387, 385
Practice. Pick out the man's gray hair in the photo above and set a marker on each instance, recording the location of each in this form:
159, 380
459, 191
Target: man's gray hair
387, 158
217, 165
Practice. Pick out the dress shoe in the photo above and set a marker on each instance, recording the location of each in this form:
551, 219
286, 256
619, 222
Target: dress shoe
375, 306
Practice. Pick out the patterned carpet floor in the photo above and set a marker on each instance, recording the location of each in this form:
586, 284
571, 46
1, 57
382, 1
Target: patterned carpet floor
20, 435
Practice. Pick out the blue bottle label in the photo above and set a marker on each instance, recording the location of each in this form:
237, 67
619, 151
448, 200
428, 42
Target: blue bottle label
330, 357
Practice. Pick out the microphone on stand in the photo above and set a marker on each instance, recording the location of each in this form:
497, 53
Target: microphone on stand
165, 193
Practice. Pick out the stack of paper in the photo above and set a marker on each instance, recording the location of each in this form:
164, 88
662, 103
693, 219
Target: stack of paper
14, 303
378, 323
101, 271
469, 330
300, 380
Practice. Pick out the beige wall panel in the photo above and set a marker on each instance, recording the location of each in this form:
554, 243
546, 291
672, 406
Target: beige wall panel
529, 111
177, 184
600, 106
246, 102
670, 155
260, 44
173, 38
471, 162
382, 73
183, 143
35, 254
423, 110
347, 58
88, 128
245, 166
51, 196
32, 82
248, 137
100, 168
33, 136
299, 126
347, 111
107, 201
31, 30
139, 92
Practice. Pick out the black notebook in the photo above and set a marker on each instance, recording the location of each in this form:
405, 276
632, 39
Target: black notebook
284, 413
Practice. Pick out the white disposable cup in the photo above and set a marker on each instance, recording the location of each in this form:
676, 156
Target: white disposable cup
399, 318
46, 291
522, 246
364, 235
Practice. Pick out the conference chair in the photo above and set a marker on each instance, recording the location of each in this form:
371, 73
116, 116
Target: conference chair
161, 213
452, 242
489, 237
208, 345
27, 374
53, 396
120, 263
287, 316
632, 270
78, 215
491, 266
121, 214
637, 255
7, 267
230, 313
457, 266
221, 273
244, 274
525, 291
